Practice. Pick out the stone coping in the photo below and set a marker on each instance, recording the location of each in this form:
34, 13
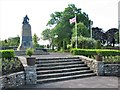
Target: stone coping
20, 72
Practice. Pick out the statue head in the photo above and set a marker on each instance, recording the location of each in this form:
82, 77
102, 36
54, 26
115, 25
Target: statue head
25, 20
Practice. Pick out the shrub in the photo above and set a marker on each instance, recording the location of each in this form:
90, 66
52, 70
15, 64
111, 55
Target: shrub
11, 66
98, 45
29, 52
84, 42
7, 53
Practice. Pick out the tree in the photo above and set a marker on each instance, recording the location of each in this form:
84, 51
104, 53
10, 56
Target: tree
117, 37
35, 40
48, 35
14, 41
81, 30
62, 27
98, 34
111, 36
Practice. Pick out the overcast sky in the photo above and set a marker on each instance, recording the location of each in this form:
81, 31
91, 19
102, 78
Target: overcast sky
103, 13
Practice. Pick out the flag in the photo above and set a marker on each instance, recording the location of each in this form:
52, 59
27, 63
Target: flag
73, 20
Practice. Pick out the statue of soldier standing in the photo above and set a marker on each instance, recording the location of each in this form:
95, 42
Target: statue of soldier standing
25, 20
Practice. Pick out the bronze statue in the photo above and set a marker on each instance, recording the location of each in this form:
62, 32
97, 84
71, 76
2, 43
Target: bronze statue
25, 20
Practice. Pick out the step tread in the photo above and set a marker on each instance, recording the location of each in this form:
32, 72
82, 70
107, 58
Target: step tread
54, 58
65, 77
65, 73
61, 63
59, 60
63, 70
63, 66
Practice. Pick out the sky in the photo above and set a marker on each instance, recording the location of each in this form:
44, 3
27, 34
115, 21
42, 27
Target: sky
103, 13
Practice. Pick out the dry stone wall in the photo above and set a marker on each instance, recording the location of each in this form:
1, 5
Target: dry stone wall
101, 68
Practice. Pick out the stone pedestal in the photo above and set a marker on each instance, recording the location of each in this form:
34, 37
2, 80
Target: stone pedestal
26, 36
30, 74
100, 68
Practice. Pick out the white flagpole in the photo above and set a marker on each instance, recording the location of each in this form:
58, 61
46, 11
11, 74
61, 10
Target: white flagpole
91, 29
76, 32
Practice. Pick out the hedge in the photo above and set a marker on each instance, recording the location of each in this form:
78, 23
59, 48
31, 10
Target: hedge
7, 53
92, 52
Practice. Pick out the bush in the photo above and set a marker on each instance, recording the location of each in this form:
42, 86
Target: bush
84, 42
92, 52
11, 66
29, 52
7, 53
8, 63
98, 45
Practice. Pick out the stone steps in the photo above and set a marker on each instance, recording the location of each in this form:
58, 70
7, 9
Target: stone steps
62, 70
48, 80
62, 74
61, 67
59, 64
53, 61
57, 69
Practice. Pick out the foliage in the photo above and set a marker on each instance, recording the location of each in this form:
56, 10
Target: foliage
11, 65
29, 51
111, 59
14, 41
92, 52
84, 42
98, 34
82, 30
98, 46
40, 47
110, 37
47, 34
62, 28
35, 40
7, 54
117, 37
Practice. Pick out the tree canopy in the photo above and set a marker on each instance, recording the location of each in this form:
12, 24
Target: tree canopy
63, 29
110, 37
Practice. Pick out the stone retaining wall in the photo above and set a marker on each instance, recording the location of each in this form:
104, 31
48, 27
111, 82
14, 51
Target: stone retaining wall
112, 69
28, 76
101, 68
12, 80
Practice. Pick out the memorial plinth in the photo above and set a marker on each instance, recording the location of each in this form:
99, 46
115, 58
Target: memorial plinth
26, 40
26, 35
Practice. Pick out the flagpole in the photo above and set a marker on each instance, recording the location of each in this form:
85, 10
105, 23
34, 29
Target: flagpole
91, 29
76, 32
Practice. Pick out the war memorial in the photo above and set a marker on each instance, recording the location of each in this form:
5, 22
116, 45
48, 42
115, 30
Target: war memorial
26, 40
51, 68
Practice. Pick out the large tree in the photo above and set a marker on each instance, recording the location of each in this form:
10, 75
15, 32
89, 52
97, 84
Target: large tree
62, 27
98, 34
111, 38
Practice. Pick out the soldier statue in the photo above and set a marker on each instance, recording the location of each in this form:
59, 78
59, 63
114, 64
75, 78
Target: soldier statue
25, 20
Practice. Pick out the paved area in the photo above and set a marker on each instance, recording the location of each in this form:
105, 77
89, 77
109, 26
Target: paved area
52, 54
89, 82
